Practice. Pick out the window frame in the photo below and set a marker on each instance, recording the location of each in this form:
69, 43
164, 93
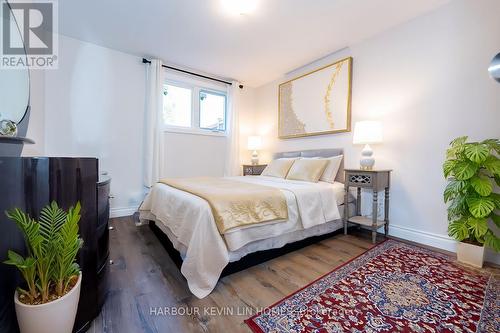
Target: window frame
196, 88
179, 85
217, 93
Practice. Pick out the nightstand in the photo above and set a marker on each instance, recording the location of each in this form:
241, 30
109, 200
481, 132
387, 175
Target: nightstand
253, 170
375, 180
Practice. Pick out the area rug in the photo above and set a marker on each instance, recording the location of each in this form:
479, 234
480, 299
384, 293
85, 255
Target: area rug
393, 287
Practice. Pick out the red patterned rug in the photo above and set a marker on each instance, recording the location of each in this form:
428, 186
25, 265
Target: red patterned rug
393, 287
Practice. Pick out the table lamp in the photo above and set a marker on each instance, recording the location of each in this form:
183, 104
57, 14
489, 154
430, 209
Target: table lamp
367, 132
254, 143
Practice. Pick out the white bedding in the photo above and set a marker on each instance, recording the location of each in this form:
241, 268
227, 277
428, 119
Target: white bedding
189, 220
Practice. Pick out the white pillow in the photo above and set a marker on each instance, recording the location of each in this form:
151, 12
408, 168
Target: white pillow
307, 169
332, 168
278, 168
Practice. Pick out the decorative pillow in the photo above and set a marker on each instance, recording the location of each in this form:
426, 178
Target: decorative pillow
331, 169
278, 168
309, 170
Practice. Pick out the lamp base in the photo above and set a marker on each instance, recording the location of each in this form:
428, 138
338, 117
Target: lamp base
255, 158
367, 161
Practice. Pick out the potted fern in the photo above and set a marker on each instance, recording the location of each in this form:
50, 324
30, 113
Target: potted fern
473, 173
49, 301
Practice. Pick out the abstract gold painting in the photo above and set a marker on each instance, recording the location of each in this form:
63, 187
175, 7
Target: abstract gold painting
318, 102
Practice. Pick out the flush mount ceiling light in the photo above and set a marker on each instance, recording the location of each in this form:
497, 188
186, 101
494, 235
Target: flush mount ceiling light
239, 7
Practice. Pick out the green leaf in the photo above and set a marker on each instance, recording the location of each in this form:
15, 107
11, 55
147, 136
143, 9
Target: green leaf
30, 229
458, 230
464, 170
496, 199
477, 152
459, 141
480, 207
448, 167
67, 245
493, 144
492, 241
14, 259
450, 153
458, 208
453, 189
497, 180
492, 164
496, 219
481, 185
478, 226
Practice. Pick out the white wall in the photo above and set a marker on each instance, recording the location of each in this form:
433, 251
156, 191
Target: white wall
192, 155
36, 126
427, 81
93, 105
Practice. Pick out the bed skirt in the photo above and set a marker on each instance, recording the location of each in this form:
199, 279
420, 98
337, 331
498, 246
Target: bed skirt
253, 258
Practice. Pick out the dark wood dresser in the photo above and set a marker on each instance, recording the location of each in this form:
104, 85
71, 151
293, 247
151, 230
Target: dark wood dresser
30, 183
102, 234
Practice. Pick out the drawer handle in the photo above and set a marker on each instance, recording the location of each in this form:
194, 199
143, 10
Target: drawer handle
111, 228
111, 196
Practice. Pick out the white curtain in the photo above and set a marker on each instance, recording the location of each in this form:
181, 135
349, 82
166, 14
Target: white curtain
153, 134
233, 167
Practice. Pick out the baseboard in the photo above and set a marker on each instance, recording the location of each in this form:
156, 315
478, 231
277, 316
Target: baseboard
122, 211
435, 240
424, 237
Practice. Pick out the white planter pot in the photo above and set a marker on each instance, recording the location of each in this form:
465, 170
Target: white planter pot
470, 254
54, 317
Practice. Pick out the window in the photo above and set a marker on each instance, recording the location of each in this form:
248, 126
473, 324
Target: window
195, 108
177, 106
212, 111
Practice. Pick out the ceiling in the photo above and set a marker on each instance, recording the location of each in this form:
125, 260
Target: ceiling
255, 48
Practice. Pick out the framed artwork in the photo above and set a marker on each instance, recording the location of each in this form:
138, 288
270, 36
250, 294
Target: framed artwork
318, 102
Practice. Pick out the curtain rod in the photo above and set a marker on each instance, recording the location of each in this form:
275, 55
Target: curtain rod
146, 61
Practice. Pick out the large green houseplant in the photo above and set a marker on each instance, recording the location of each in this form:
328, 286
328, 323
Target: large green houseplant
473, 173
49, 300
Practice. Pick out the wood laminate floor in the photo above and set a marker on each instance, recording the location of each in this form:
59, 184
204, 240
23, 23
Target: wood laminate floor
146, 288
144, 282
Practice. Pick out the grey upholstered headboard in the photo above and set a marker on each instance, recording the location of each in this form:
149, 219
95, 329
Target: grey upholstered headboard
317, 153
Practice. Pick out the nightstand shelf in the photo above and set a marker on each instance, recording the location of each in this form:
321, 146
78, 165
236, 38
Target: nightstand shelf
366, 221
374, 180
253, 170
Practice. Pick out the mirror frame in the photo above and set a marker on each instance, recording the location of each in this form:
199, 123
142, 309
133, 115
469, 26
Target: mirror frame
495, 73
28, 106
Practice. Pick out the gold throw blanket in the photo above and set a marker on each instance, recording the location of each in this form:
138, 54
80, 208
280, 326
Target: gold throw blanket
233, 203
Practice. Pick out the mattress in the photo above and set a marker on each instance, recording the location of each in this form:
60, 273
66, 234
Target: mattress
313, 208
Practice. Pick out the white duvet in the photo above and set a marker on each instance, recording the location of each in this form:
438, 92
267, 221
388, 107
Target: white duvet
189, 220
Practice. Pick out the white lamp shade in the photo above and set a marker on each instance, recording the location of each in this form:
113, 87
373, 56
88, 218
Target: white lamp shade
366, 132
254, 142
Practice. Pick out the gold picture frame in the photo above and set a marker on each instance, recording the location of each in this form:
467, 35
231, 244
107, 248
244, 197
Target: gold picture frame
309, 90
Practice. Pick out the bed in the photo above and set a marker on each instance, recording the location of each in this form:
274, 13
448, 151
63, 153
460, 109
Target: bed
185, 224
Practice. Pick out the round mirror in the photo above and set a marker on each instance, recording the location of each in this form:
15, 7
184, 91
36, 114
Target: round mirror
14, 80
494, 68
